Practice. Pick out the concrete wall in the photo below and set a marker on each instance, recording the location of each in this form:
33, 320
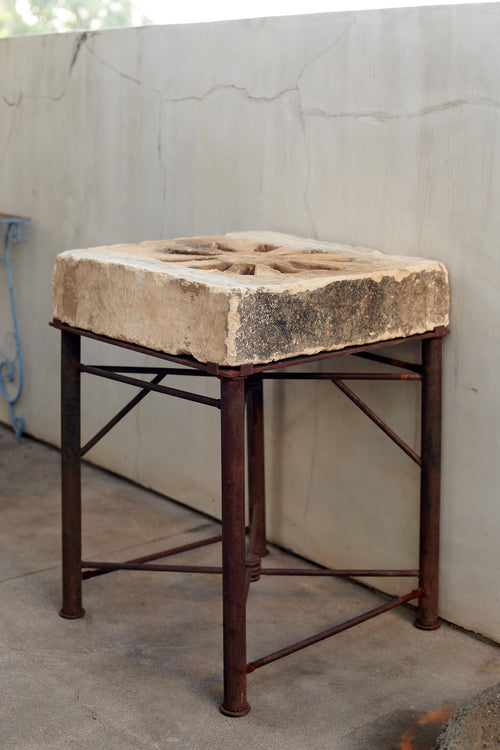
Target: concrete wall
373, 128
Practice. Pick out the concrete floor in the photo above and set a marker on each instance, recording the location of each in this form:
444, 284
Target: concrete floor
142, 669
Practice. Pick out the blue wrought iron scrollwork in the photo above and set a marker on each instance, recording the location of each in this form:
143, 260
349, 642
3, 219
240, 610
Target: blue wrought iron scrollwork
11, 360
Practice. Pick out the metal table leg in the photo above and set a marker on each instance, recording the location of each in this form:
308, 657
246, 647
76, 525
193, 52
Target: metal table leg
234, 590
430, 483
70, 477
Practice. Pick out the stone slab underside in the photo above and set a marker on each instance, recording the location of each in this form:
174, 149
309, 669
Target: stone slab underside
248, 297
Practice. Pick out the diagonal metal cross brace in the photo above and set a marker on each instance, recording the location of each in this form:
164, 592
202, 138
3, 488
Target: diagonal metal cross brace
379, 422
122, 413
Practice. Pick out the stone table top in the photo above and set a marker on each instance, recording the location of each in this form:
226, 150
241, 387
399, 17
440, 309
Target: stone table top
248, 297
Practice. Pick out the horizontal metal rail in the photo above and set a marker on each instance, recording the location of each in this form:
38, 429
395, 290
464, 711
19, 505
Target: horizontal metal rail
99, 371
440, 331
149, 370
249, 369
153, 556
340, 376
379, 422
341, 573
253, 665
413, 366
112, 566
187, 361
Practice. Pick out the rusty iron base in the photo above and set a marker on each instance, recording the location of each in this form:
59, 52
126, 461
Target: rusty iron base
242, 434
242, 712
71, 616
434, 625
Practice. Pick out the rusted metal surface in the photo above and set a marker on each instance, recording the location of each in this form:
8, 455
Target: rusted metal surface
379, 422
246, 370
341, 573
187, 361
430, 483
293, 361
118, 417
110, 567
402, 364
104, 373
71, 477
253, 567
294, 647
181, 371
240, 566
340, 376
234, 589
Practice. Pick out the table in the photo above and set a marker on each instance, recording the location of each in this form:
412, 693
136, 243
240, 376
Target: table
241, 407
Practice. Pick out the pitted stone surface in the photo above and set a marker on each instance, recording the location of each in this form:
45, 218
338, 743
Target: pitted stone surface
248, 297
476, 724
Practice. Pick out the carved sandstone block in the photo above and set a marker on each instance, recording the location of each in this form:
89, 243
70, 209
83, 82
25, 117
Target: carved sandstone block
248, 297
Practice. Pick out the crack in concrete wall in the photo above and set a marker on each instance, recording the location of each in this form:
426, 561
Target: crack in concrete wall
84, 37
381, 116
